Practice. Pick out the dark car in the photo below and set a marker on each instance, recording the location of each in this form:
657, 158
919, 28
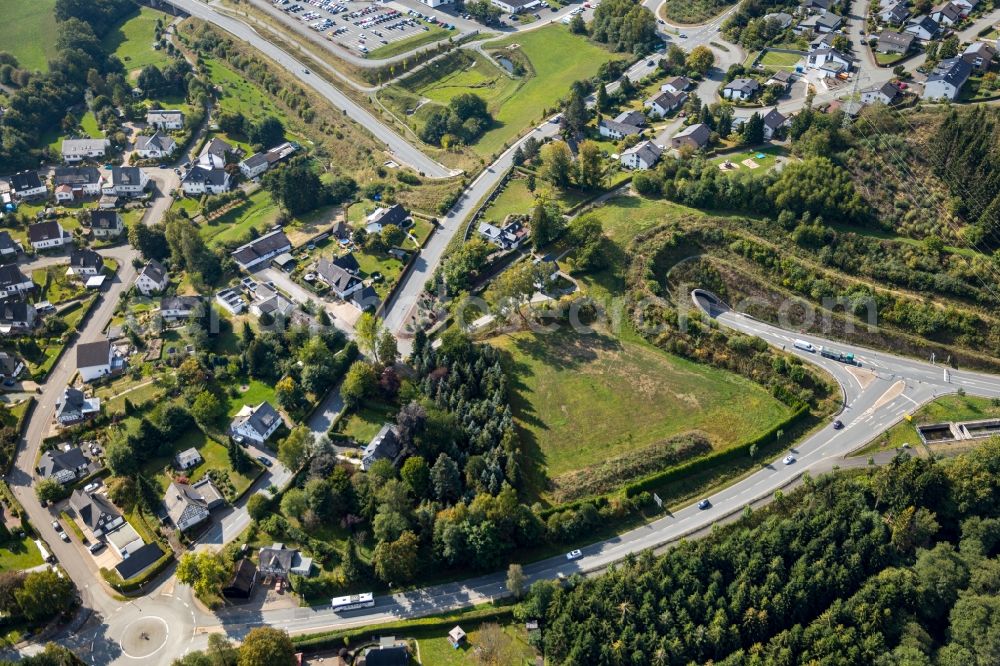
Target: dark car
704, 504
264, 461
838, 424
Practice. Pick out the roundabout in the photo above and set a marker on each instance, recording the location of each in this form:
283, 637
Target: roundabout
144, 637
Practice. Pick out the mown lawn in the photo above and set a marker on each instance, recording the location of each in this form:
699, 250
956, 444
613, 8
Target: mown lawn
776, 60
259, 210
28, 31
435, 650
256, 393
19, 554
624, 217
581, 399
216, 458
363, 424
133, 40
944, 409
240, 95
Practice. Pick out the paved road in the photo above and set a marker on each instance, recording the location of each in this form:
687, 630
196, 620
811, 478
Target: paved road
396, 146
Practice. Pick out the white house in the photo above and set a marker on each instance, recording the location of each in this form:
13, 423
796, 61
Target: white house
980, 55
515, 6
84, 263
830, 61
126, 182
9, 248
156, 146
27, 185
230, 300
947, 79
947, 14
49, 234
341, 274
382, 217
508, 237
188, 458
17, 316
153, 278
255, 424
665, 102
95, 360
13, 281
73, 407
254, 165
624, 124
886, 93
190, 505
741, 89
165, 119
263, 249
76, 150
213, 155
200, 180
106, 223
96, 512
773, 122
179, 307
81, 181
641, 156
923, 28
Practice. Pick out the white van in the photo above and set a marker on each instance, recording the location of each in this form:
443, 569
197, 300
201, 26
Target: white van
804, 346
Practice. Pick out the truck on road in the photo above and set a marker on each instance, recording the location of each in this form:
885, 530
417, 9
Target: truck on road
827, 352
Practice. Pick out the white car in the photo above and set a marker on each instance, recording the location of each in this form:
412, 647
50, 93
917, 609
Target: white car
91, 487
574, 555
788, 460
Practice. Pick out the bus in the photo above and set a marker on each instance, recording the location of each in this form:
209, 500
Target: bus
353, 602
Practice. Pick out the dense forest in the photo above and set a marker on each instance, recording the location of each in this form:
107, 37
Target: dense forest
896, 565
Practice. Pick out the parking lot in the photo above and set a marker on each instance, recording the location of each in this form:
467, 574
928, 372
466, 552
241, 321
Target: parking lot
360, 27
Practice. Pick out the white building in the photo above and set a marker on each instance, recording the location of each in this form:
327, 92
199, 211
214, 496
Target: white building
165, 119
47, 235
200, 180
741, 89
947, 79
156, 146
13, 281
77, 150
95, 360
641, 156
153, 278
255, 424
126, 182
179, 307
263, 249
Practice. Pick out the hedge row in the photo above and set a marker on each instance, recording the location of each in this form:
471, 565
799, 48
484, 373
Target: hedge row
671, 474
132, 584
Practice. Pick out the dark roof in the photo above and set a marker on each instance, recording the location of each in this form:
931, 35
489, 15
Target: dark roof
217, 147
76, 175
182, 303
85, 258
242, 583
396, 655
347, 262
276, 558
366, 297
621, 128
12, 311
256, 160
43, 231
105, 219
395, 215
336, 276
139, 560
89, 507
6, 242
743, 85
8, 362
953, 70
263, 417
699, 133
10, 275
209, 176
633, 117
888, 89
154, 270
54, 461
157, 140
127, 175
774, 119
90, 354
900, 39
25, 180
268, 244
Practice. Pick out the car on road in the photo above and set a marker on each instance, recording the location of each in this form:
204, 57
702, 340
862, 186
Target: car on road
574, 555
704, 504
649, 63
838, 424
305, 71
64, 537
91, 487
788, 460
96, 547
266, 462
682, 36
56, 526
804, 346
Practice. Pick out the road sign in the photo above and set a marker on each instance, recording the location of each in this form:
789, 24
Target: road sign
659, 502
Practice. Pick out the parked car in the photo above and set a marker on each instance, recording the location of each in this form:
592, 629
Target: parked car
64, 537
91, 487
704, 504
96, 547
574, 555
56, 526
264, 461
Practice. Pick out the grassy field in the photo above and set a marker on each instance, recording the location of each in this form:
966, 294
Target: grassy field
256, 393
576, 398
624, 217
776, 60
770, 153
363, 424
240, 95
258, 210
133, 41
434, 33
29, 31
19, 554
437, 651
216, 458
944, 409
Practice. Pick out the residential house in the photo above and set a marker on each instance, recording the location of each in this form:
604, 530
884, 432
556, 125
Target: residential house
823, 22
242, 583
106, 223
126, 182
894, 42
153, 278
13, 282
77, 150
17, 317
627, 123
966, 5
188, 458
817, 5
280, 152
98, 515
387, 655
255, 424
947, 79
139, 560
64, 465
189, 505
741, 89
73, 407
896, 13
270, 302
830, 62
980, 55
824, 41
81, 181
515, 6
27, 185
782, 19
641, 156
665, 102
199, 180
365, 299
173, 308
9, 248
11, 365
677, 84
947, 14
165, 119
782, 78
694, 136
48, 234
254, 166
124, 541
384, 446
506, 237
95, 360
341, 274
774, 122
214, 154
280, 562
383, 217
155, 146
230, 300
886, 93
923, 28
84, 263
263, 249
